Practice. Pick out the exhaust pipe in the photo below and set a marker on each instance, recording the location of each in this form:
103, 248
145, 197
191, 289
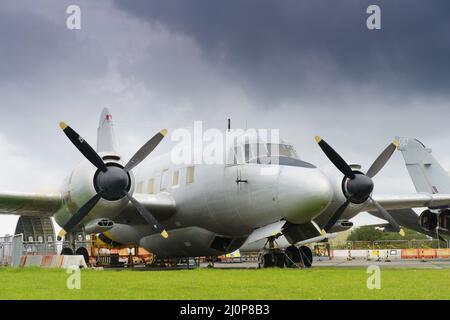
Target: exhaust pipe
341, 225
98, 226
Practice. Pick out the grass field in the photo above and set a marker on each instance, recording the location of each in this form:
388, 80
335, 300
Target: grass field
318, 283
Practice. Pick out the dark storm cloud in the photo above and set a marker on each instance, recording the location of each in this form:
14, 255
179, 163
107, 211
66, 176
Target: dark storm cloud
289, 48
34, 49
167, 63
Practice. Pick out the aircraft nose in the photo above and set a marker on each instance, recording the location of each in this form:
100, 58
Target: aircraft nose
303, 193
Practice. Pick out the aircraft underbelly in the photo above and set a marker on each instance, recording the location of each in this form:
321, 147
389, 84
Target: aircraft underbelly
191, 242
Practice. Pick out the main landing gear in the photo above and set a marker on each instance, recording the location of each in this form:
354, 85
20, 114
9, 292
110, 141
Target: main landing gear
291, 257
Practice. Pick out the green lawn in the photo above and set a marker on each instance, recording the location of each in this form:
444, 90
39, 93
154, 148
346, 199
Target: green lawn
316, 283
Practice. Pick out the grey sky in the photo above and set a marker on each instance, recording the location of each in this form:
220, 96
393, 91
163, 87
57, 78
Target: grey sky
305, 67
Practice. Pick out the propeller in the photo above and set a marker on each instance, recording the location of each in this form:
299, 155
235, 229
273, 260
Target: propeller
359, 186
111, 181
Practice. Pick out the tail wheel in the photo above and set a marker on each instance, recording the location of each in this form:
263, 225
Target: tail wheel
306, 256
83, 252
292, 256
279, 259
67, 252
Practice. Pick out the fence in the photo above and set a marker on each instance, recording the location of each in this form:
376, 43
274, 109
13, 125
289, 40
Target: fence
390, 244
12, 248
5, 250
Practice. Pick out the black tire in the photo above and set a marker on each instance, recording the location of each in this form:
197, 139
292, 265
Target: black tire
266, 261
280, 259
306, 256
292, 256
66, 251
83, 252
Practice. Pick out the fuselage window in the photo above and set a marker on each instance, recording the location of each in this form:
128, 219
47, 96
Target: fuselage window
190, 175
139, 187
176, 178
150, 186
164, 180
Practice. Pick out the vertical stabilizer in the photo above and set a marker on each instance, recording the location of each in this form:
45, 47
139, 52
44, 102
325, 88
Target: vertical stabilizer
106, 142
426, 173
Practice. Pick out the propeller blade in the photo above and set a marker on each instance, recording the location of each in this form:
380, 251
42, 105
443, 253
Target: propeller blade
336, 216
335, 158
81, 213
382, 159
148, 217
388, 217
84, 147
145, 150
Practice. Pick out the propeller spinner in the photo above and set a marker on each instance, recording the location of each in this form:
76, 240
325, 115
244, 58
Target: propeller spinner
358, 186
112, 182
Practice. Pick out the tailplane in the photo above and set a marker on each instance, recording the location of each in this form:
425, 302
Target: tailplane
106, 142
426, 173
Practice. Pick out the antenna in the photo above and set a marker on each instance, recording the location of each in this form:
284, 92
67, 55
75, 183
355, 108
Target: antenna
229, 124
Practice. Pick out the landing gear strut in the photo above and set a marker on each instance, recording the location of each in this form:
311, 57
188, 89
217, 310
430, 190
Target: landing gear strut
75, 243
271, 256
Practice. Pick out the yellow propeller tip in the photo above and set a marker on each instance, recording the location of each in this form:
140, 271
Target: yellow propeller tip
164, 234
63, 125
323, 232
402, 232
62, 233
318, 139
396, 143
163, 132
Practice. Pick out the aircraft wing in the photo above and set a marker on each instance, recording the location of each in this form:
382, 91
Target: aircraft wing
30, 204
415, 200
162, 206
407, 218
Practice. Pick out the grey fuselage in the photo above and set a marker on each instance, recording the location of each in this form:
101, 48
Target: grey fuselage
215, 212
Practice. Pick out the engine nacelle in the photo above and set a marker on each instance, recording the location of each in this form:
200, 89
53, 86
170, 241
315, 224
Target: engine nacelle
444, 219
98, 226
341, 225
428, 220
79, 187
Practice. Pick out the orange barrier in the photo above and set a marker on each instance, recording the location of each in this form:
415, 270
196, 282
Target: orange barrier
46, 261
427, 253
442, 253
52, 261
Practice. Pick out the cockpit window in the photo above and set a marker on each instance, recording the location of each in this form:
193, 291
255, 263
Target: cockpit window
254, 151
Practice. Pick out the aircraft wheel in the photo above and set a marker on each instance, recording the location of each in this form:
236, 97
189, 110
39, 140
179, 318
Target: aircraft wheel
66, 251
306, 256
266, 261
292, 256
279, 259
83, 252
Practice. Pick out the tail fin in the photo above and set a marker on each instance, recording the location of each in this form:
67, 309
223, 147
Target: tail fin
106, 141
426, 173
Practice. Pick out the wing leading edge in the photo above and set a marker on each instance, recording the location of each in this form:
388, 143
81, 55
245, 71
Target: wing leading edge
30, 204
407, 201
